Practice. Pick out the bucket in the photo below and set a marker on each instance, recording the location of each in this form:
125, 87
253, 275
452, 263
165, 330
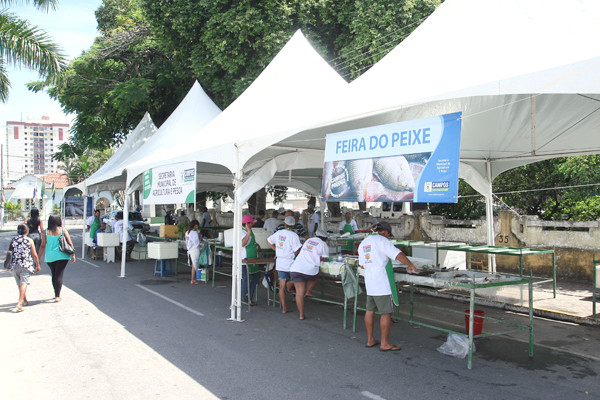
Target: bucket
477, 321
200, 275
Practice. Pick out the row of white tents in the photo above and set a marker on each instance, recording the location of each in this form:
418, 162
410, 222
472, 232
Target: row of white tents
524, 74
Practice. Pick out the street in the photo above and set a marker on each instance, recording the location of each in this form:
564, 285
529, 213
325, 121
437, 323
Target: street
140, 336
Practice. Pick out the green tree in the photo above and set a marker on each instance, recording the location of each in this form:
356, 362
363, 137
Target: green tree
25, 45
111, 86
470, 205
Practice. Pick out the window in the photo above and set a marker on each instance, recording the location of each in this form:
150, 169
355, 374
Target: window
16, 132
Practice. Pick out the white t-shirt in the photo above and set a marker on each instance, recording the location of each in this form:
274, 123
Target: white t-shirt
313, 220
192, 240
271, 224
352, 224
244, 253
373, 254
90, 221
118, 228
309, 258
286, 244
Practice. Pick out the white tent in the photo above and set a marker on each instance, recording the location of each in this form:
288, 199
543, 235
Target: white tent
291, 94
522, 72
194, 112
104, 177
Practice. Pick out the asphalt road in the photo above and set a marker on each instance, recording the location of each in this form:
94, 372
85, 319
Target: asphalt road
145, 337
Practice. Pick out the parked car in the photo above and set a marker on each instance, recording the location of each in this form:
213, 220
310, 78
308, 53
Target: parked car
135, 218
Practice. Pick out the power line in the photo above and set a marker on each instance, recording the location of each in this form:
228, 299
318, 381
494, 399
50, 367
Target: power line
535, 190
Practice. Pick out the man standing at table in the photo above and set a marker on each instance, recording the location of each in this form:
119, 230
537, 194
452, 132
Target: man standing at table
286, 245
374, 252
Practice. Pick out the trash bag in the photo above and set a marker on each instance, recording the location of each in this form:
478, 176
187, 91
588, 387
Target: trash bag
456, 346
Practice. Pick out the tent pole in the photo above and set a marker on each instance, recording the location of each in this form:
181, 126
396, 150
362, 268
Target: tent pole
125, 225
236, 284
489, 211
85, 197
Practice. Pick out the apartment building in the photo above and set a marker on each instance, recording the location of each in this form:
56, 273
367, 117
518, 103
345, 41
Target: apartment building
30, 146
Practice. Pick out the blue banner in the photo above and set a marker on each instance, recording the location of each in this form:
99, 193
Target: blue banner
403, 161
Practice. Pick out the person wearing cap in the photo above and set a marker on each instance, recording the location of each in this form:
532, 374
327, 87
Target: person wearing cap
286, 245
313, 221
249, 250
374, 252
297, 227
306, 267
272, 223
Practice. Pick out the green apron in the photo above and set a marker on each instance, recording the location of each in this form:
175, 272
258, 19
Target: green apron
349, 246
389, 269
94, 227
252, 252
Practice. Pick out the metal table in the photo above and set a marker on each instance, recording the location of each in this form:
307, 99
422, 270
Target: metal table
332, 271
507, 251
471, 281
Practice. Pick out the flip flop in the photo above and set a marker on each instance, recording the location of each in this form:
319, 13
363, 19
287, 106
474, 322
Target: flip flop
394, 348
368, 346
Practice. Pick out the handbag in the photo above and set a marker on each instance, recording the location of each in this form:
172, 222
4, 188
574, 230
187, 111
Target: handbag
64, 246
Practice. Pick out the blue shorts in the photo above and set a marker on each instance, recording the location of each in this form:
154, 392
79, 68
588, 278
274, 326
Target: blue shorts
283, 275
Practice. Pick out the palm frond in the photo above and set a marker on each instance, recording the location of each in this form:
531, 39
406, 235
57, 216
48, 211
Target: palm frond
4, 82
23, 44
42, 5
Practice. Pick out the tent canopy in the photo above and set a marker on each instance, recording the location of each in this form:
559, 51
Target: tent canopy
291, 94
527, 90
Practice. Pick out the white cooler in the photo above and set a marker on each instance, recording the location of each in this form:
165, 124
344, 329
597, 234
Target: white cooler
163, 250
108, 239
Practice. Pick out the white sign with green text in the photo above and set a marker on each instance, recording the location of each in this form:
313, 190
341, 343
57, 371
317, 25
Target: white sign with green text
171, 184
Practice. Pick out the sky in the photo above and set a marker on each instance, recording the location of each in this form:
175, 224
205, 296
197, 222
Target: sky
73, 27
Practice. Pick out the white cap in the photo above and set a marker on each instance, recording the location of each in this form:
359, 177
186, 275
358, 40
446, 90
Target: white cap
289, 221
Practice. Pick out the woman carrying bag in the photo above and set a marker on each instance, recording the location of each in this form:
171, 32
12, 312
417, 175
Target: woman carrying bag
56, 259
24, 263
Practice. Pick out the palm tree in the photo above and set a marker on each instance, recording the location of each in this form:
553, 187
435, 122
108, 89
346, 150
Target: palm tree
25, 45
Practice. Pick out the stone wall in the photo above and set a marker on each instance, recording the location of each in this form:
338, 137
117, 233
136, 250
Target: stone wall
575, 243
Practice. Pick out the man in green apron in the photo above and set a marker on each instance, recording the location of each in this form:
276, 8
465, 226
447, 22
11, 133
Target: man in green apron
348, 225
375, 253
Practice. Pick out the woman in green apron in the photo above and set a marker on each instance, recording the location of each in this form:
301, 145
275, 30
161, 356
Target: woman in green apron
93, 229
348, 225
249, 250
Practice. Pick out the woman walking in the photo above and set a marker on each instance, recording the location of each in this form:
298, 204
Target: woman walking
192, 243
56, 259
35, 227
25, 262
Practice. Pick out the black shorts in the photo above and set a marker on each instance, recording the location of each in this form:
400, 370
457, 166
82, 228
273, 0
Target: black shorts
300, 277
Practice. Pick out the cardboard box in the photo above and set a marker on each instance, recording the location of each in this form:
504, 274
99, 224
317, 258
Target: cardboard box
162, 250
169, 231
108, 239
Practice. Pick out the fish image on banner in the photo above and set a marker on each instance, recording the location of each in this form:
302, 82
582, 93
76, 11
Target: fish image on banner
403, 161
